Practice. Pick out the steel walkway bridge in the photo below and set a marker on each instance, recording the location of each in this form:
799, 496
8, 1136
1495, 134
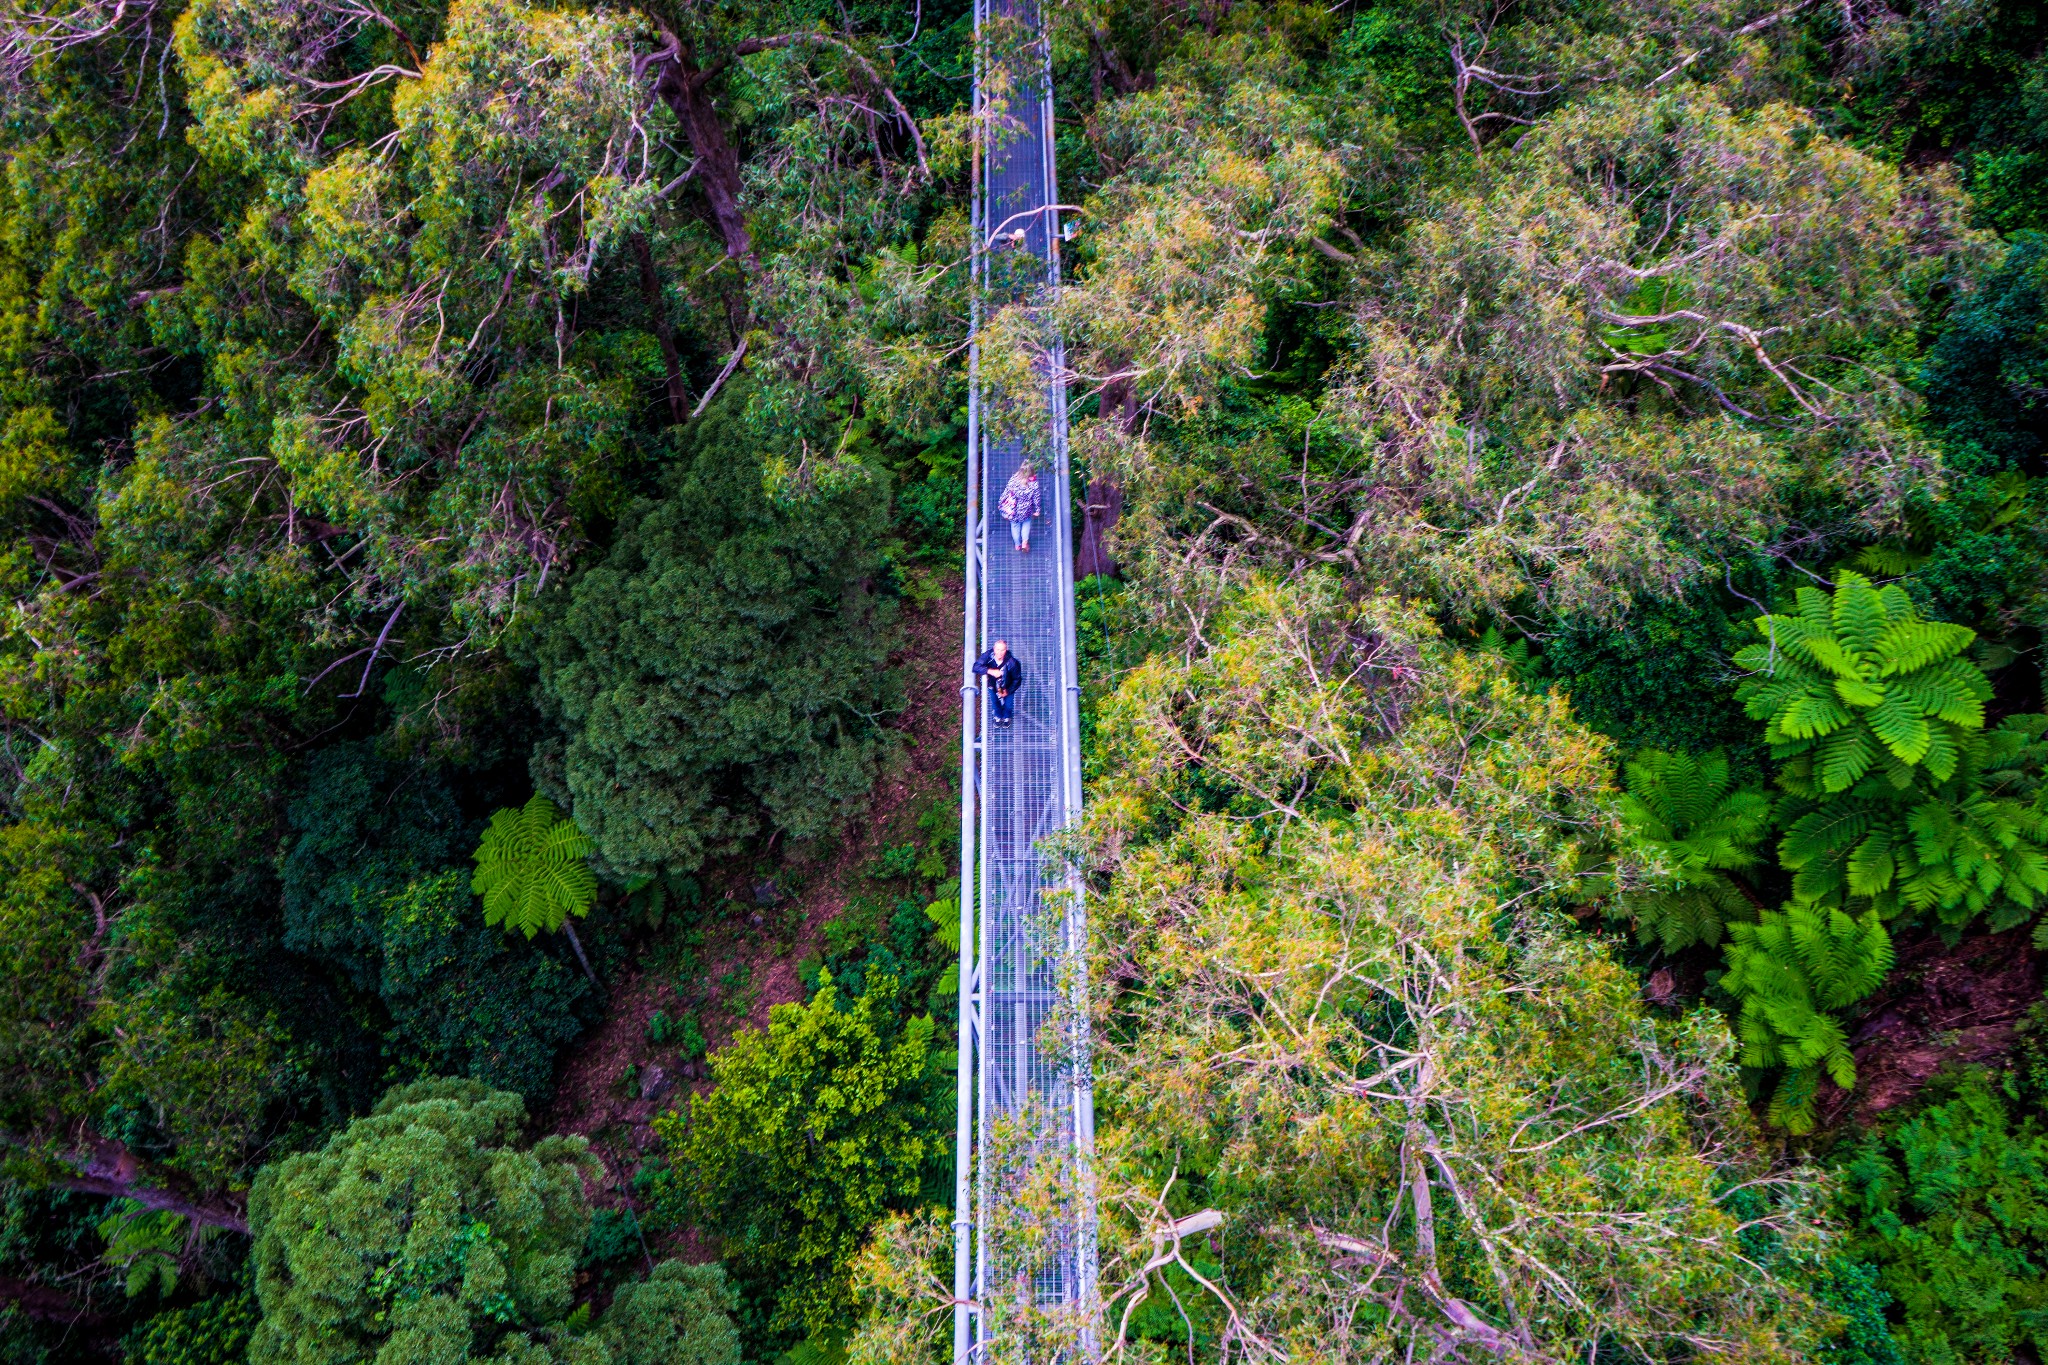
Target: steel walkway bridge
1024, 1229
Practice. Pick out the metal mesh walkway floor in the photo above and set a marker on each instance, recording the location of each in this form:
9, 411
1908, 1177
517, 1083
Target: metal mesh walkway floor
1023, 1056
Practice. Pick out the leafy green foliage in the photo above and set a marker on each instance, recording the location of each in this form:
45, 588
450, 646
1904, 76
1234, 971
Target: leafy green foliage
428, 1231
369, 887
465, 1001
678, 1315
614, 1237
723, 666
145, 1244
1660, 680
1975, 844
816, 1128
1985, 373
1851, 1289
360, 829
1791, 971
1308, 812
900, 860
1682, 814
1858, 683
1951, 1206
424, 1227
533, 869
214, 1331
684, 1034
1525, 663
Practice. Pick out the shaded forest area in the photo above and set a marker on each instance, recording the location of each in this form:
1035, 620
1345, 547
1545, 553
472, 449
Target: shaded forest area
1564, 728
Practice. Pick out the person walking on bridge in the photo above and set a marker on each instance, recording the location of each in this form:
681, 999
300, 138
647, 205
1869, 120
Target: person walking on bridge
1005, 676
1020, 503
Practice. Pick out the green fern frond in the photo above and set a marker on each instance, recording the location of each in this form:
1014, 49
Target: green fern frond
1525, 662
1862, 682
1816, 614
1793, 1102
533, 869
820, 1348
1890, 561
945, 918
1685, 821
1791, 970
1915, 644
1858, 613
1902, 726
145, 1245
1845, 756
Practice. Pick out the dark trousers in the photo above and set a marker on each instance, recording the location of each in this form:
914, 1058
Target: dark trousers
1001, 706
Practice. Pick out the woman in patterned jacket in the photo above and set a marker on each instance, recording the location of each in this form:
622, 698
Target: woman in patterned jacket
1019, 504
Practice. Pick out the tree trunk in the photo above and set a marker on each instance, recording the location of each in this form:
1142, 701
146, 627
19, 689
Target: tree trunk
1103, 501
105, 1167
1100, 508
664, 332
718, 166
577, 944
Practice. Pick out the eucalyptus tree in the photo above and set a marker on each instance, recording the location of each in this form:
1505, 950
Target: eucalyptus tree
334, 333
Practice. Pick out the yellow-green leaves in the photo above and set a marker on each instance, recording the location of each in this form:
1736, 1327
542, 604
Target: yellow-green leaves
1341, 1002
533, 869
815, 1129
1858, 681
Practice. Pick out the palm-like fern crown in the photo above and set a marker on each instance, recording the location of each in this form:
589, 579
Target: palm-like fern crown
532, 869
1789, 970
1974, 844
1860, 682
1682, 804
1684, 817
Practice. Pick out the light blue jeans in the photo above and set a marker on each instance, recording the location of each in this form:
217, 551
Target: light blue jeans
1020, 533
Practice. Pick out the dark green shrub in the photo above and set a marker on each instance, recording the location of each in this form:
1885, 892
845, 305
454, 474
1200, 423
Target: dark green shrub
465, 999
1985, 374
1663, 680
213, 1331
1951, 1207
681, 1033
361, 828
722, 669
612, 1238
1851, 1288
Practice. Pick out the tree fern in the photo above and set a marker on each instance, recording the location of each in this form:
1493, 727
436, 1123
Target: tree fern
1525, 663
144, 1244
1974, 844
533, 869
1791, 971
1687, 822
1858, 683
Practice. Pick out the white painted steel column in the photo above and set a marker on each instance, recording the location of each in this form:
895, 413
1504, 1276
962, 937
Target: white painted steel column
970, 694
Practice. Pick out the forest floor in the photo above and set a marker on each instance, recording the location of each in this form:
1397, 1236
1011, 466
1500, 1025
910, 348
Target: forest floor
1941, 1008
615, 1081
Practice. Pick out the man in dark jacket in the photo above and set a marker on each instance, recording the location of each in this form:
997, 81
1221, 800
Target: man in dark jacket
1005, 676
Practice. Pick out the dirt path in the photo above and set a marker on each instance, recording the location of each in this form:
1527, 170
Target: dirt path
614, 1081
